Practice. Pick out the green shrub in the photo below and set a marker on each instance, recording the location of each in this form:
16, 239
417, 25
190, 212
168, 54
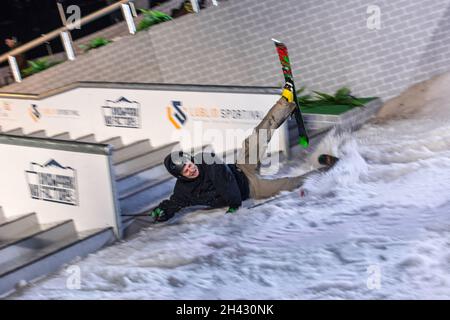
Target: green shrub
38, 65
152, 17
95, 43
341, 97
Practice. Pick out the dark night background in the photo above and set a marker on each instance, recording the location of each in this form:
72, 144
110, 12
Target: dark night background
29, 19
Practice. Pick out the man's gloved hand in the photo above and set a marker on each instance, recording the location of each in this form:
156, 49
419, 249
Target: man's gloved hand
231, 210
159, 215
156, 213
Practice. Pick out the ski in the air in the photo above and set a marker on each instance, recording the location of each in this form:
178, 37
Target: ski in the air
288, 77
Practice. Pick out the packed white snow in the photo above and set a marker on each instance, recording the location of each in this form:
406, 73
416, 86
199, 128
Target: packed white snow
377, 226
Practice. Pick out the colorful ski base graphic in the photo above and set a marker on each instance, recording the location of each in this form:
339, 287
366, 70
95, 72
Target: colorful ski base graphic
288, 77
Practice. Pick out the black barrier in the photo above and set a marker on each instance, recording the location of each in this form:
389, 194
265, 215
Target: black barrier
225, 309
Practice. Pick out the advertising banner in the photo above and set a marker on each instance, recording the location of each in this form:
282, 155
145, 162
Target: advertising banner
193, 115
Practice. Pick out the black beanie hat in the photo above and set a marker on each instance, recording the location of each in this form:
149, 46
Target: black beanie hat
174, 163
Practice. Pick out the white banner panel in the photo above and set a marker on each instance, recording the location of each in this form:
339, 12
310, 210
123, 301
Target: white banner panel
195, 118
58, 185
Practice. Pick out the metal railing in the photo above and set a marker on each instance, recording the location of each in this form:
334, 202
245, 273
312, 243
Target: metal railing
64, 33
55, 33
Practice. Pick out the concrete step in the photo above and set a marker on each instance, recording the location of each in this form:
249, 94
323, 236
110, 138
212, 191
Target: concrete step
32, 230
35, 238
16, 228
38, 134
131, 151
146, 199
142, 162
51, 257
62, 136
87, 138
2, 216
116, 142
16, 132
141, 180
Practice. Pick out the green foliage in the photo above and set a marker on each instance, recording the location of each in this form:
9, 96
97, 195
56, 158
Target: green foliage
303, 99
342, 97
152, 17
95, 43
38, 65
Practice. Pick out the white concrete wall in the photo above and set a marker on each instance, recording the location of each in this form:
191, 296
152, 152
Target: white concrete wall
90, 204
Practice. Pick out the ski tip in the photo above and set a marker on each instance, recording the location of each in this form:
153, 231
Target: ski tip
303, 141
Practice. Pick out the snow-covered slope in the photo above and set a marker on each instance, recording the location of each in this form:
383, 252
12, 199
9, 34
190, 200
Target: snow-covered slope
384, 207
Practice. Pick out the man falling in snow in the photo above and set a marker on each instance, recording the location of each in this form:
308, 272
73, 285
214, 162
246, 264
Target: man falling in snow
215, 185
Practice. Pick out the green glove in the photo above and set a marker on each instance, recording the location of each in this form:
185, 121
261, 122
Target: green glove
231, 210
155, 214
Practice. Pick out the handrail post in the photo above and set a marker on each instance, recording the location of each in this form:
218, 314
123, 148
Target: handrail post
195, 6
128, 18
61, 13
133, 8
48, 46
14, 68
67, 43
65, 35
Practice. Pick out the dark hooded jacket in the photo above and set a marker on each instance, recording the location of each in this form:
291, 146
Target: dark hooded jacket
218, 185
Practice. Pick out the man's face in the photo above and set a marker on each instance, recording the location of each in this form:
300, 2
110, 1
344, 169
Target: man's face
10, 42
190, 171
